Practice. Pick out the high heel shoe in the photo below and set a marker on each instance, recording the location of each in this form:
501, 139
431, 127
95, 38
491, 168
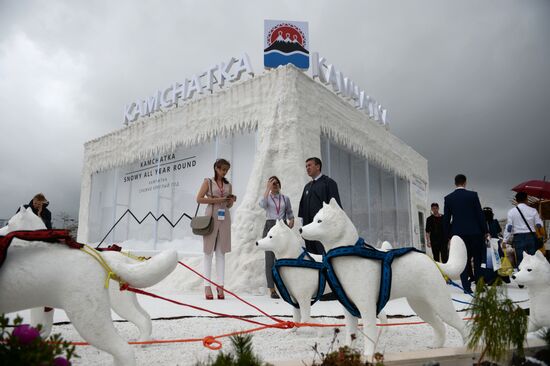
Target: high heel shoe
208, 293
221, 295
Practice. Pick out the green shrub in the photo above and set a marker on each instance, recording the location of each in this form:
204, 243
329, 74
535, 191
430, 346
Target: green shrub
497, 323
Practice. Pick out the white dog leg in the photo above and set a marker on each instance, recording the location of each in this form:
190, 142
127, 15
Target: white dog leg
296, 316
383, 320
427, 313
351, 328
447, 313
369, 329
92, 320
305, 311
126, 305
45, 318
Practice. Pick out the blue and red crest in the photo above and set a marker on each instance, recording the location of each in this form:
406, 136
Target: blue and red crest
286, 42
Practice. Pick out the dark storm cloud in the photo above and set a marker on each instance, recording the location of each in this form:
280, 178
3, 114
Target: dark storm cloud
466, 82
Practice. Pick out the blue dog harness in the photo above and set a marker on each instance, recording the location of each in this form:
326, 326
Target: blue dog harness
303, 263
361, 249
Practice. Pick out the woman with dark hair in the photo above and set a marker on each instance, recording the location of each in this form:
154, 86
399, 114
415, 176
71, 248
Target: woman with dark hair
277, 207
217, 193
492, 224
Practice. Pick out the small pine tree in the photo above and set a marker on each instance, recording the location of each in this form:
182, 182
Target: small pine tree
243, 355
497, 323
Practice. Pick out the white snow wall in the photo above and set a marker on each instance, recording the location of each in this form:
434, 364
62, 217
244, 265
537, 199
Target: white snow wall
290, 112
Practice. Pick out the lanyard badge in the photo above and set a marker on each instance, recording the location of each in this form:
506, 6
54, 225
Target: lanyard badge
277, 207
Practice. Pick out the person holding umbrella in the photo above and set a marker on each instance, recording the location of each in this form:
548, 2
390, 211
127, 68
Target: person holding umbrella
522, 221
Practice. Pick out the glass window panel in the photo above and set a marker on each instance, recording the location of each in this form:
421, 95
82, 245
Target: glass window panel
376, 200
359, 194
389, 220
403, 210
102, 199
340, 172
375, 204
324, 150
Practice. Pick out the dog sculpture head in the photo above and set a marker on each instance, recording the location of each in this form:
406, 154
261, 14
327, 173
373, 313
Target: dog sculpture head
24, 219
282, 241
534, 270
331, 226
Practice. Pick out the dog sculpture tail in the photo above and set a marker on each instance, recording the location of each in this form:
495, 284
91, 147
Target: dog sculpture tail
457, 258
142, 274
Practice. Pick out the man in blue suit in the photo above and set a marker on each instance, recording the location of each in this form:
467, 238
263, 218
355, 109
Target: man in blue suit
463, 217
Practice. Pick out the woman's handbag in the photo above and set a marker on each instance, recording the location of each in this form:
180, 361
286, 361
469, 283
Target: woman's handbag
495, 262
202, 225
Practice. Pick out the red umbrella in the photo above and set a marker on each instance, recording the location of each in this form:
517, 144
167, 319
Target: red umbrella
535, 188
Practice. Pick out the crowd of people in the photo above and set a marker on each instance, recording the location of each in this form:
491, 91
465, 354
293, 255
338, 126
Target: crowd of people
462, 216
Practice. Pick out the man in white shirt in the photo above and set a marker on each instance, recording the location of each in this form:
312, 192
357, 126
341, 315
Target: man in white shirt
524, 239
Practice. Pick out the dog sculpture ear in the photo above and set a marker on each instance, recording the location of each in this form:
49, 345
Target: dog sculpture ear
280, 222
333, 203
539, 255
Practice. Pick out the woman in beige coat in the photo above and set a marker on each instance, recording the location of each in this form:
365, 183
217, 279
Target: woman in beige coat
217, 193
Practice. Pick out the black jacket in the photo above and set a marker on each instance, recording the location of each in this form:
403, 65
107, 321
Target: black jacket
46, 214
315, 193
463, 214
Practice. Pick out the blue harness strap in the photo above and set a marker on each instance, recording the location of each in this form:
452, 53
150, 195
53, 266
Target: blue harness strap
303, 263
360, 249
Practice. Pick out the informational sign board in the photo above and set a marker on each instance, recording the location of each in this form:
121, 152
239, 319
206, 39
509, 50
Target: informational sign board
286, 42
164, 184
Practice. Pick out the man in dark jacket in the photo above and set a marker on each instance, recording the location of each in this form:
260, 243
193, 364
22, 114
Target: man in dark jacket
463, 217
38, 205
320, 189
436, 236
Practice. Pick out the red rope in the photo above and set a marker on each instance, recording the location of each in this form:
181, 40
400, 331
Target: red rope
232, 294
142, 292
208, 341
212, 343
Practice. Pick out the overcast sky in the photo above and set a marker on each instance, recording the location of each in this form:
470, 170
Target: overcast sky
466, 83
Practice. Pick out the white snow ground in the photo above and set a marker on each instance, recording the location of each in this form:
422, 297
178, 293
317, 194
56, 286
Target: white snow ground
272, 345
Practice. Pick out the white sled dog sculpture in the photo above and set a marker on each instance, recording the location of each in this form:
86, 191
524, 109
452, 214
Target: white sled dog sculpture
534, 273
37, 274
124, 303
414, 276
301, 283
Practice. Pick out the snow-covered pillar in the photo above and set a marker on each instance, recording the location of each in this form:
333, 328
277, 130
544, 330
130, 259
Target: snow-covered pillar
284, 141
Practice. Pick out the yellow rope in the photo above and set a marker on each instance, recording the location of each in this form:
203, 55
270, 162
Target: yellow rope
445, 277
137, 258
97, 256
